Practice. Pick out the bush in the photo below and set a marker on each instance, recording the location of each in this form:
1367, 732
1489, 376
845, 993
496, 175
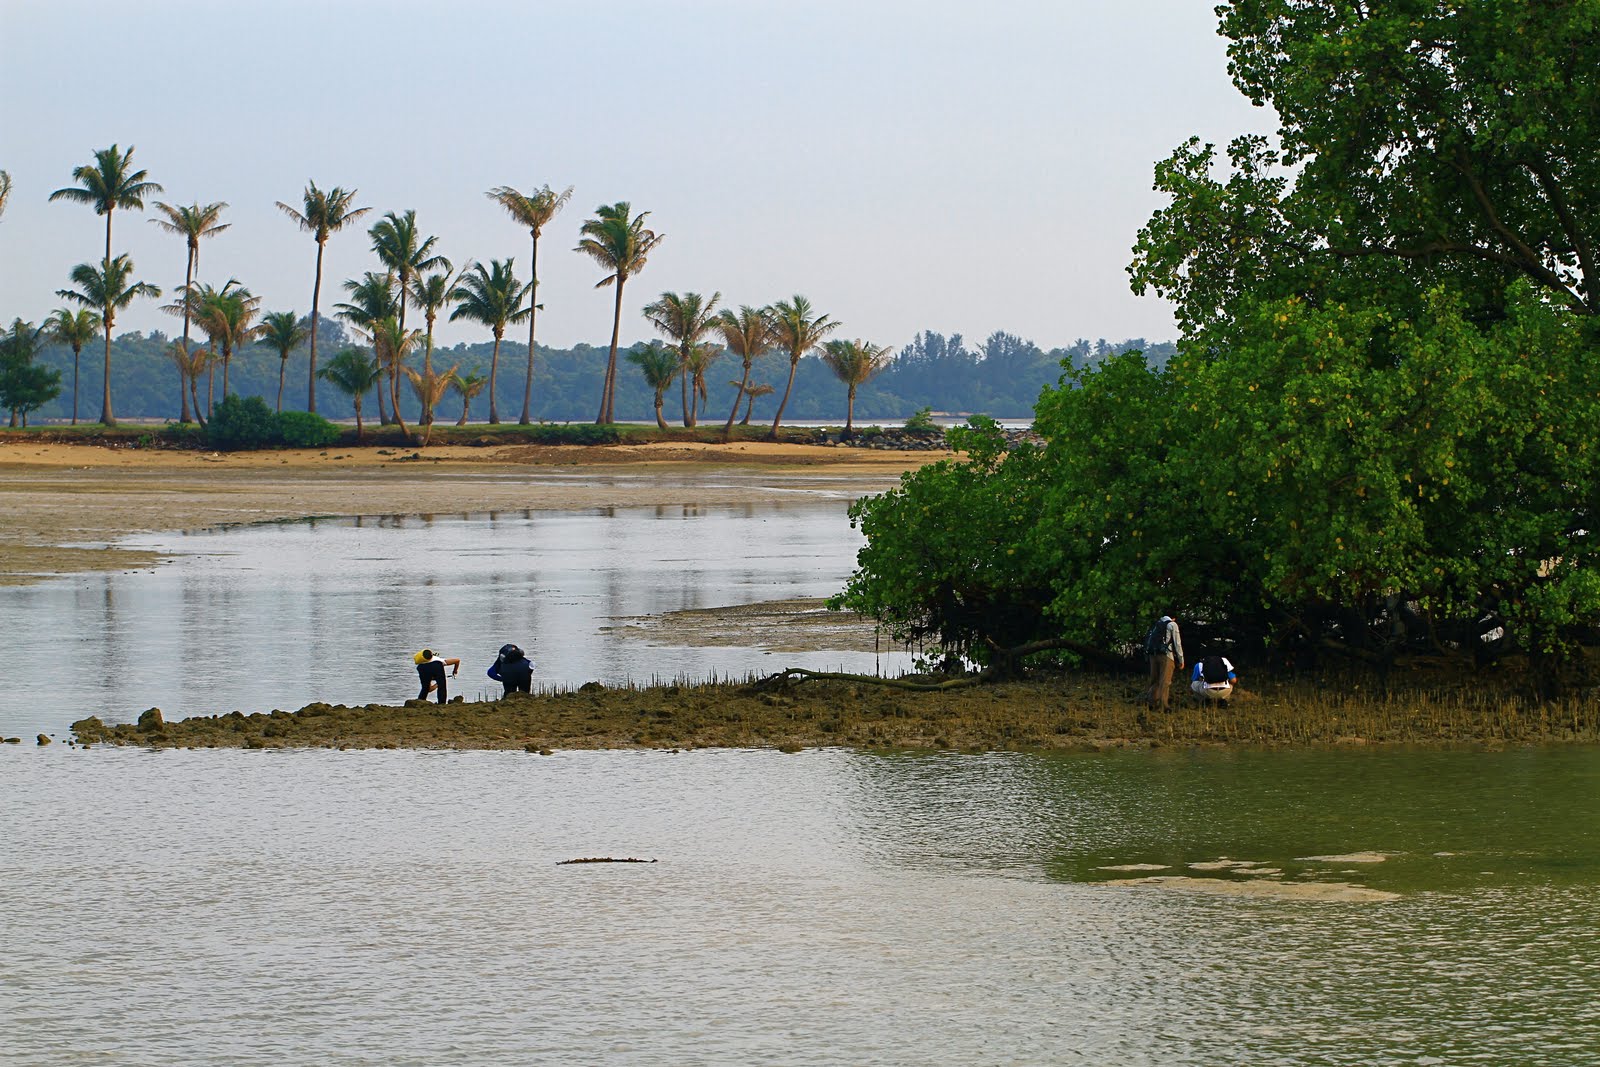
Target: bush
302, 429
922, 423
573, 434
240, 424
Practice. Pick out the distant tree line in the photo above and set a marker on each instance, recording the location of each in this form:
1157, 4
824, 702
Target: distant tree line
1002, 377
235, 346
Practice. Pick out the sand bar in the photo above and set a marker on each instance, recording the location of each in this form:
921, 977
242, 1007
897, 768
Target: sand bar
59, 497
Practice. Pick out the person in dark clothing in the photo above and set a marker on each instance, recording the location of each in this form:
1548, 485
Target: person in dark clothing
430, 670
513, 670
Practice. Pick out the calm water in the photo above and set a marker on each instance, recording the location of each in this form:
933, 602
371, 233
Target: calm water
826, 908
279, 615
831, 907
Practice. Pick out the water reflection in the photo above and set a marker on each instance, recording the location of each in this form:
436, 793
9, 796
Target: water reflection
829, 908
280, 614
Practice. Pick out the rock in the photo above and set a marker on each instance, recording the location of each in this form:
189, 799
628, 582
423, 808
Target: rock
458, 700
591, 687
16, 741
43, 740
415, 703
151, 722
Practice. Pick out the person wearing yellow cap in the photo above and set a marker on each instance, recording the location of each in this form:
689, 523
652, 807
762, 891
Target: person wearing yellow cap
430, 669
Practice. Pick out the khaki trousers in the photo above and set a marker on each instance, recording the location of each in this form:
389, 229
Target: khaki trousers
1160, 681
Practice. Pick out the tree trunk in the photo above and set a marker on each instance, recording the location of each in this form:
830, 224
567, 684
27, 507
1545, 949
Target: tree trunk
533, 317
383, 407
106, 418
394, 367
361, 431
316, 296
727, 427
661, 422
211, 386
283, 371
75, 351
850, 411
683, 382
605, 416
794, 363
194, 394
183, 379
465, 404
227, 361
750, 403
494, 366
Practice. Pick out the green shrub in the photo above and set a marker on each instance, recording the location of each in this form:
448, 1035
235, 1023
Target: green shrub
303, 429
922, 423
572, 434
241, 424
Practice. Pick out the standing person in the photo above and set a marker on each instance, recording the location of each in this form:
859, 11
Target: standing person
513, 670
430, 670
1214, 679
1163, 644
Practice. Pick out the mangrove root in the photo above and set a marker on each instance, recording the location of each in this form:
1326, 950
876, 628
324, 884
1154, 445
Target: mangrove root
801, 674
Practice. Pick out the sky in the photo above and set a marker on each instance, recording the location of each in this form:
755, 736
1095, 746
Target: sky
905, 164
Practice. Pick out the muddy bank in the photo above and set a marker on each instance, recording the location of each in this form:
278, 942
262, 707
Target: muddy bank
1059, 713
62, 502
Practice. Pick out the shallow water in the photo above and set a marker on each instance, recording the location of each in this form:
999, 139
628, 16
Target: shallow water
278, 615
826, 908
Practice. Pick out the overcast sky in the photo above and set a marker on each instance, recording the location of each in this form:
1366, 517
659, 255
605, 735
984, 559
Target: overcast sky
907, 164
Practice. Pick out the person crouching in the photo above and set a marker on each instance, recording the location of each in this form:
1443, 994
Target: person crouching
1214, 679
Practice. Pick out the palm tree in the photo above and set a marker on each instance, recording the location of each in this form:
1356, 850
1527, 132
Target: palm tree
228, 317
469, 386
74, 328
431, 292
853, 363
400, 247
107, 184
107, 289
700, 359
5, 190
353, 373
660, 365
284, 331
191, 363
532, 210
430, 389
797, 330
749, 335
392, 343
493, 298
325, 213
191, 223
753, 393
685, 320
372, 299
617, 240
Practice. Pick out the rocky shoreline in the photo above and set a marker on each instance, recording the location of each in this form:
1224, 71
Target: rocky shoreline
1060, 713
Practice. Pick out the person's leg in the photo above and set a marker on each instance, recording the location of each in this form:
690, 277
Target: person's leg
1163, 681
441, 679
422, 675
1149, 694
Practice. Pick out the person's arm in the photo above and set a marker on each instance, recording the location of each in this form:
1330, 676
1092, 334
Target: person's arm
1177, 643
454, 665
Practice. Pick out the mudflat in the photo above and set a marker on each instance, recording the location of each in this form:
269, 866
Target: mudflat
64, 502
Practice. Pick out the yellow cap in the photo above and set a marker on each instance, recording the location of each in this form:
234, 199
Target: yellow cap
417, 658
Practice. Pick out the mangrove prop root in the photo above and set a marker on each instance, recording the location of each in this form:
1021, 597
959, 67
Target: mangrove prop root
801, 674
602, 859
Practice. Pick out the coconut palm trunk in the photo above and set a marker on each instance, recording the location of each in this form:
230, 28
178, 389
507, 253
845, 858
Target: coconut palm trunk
533, 315
106, 417
75, 385
609, 388
316, 297
494, 364
188, 287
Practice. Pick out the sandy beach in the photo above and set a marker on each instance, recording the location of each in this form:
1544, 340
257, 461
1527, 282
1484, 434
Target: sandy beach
64, 502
